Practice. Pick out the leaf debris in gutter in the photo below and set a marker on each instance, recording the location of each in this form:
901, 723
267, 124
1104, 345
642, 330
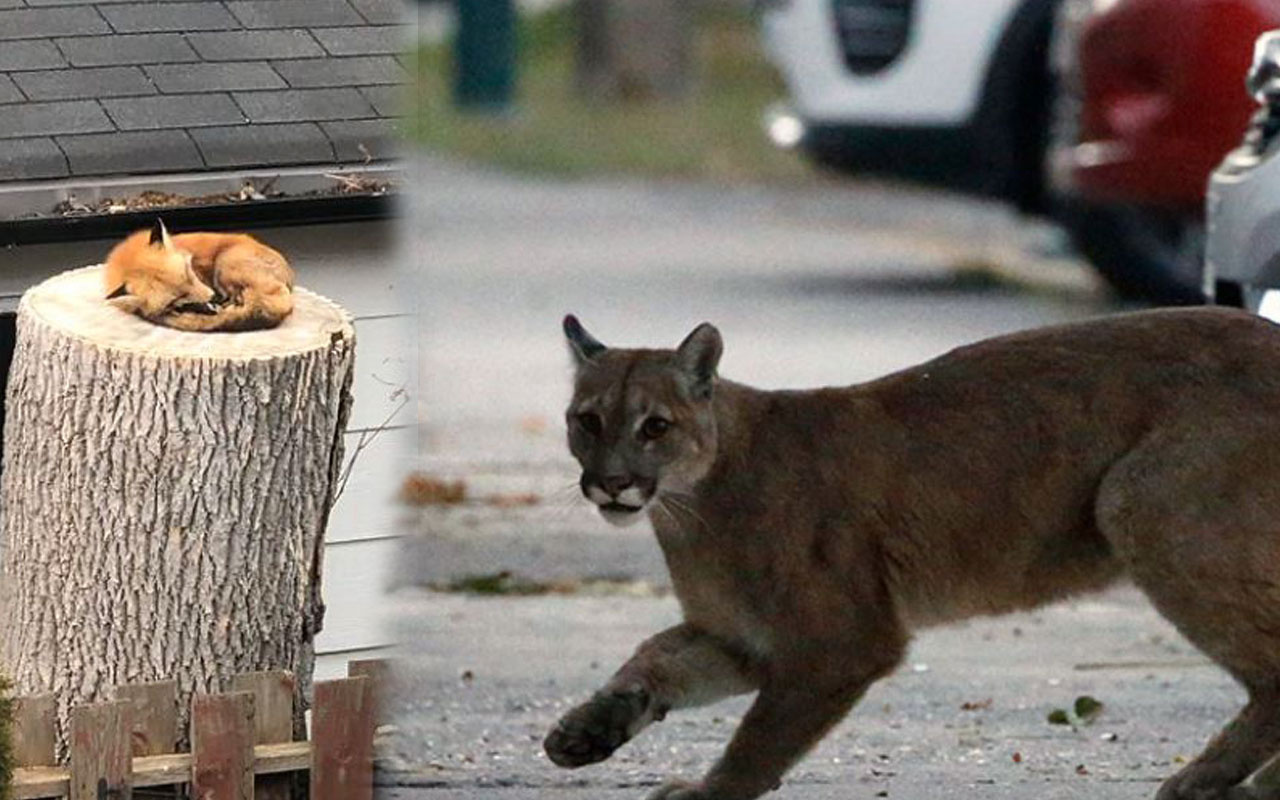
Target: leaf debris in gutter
249, 192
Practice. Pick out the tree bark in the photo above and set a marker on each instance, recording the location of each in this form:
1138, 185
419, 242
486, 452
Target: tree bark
634, 50
165, 495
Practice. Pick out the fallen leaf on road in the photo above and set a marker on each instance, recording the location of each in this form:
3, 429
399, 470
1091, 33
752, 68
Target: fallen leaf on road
513, 500
1083, 712
978, 705
1087, 708
424, 490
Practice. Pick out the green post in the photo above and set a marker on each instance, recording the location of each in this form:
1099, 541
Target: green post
484, 54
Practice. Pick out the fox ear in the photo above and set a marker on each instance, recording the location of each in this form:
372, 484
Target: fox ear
582, 345
159, 234
124, 301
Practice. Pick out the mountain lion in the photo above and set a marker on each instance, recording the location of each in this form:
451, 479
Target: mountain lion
809, 533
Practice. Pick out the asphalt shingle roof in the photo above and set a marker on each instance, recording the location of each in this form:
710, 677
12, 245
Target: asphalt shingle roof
107, 87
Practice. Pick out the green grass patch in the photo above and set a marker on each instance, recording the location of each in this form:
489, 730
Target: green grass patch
713, 134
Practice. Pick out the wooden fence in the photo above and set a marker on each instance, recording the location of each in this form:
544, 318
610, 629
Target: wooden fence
242, 744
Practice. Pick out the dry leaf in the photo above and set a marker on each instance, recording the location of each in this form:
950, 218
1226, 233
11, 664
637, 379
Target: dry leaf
513, 500
424, 490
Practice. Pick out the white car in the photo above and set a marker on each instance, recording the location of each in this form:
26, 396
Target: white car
1242, 250
979, 96
954, 93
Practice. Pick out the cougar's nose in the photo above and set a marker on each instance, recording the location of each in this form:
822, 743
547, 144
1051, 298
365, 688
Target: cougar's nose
615, 484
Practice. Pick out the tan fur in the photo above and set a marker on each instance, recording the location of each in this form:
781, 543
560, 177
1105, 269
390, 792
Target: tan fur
236, 282
809, 533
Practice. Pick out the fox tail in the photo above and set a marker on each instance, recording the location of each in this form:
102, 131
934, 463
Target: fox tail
256, 311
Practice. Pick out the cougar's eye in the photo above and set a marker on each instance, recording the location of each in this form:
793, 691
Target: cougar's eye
654, 428
591, 423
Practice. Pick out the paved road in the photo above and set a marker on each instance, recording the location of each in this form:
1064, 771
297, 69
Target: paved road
820, 285
488, 676
825, 285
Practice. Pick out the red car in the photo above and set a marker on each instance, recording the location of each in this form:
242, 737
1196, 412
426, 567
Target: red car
1152, 98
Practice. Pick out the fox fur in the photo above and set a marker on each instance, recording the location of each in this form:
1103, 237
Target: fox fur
199, 281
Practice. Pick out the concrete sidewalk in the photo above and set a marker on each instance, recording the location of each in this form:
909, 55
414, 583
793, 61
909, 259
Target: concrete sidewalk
96, 88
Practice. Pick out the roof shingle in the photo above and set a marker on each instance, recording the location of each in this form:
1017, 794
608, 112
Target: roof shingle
35, 23
30, 159
150, 18
126, 48
104, 87
242, 45
362, 139
64, 116
297, 105
172, 111
367, 40
244, 145
70, 84
354, 71
225, 76
381, 12
134, 151
286, 13
34, 54
388, 101
9, 91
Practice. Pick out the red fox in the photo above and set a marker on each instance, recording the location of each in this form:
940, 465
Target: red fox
199, 281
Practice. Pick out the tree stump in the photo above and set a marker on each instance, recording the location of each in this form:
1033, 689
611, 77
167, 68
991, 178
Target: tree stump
165, 495
634, 50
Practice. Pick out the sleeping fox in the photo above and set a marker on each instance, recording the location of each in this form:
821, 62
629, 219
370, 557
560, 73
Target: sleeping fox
199, 281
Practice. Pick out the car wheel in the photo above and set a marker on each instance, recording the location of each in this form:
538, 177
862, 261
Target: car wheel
1144, 254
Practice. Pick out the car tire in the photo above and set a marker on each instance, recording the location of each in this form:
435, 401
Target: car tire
1144, 254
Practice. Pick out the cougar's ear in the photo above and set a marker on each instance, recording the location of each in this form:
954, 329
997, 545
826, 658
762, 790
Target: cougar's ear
160, 234
698, 355
121, 291
582, 345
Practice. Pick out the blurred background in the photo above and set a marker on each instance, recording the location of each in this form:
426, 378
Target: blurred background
845, 188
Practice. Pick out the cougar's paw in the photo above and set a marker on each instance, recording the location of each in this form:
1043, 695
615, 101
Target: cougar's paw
680, 790
1241, 792
593, 730
1200, 781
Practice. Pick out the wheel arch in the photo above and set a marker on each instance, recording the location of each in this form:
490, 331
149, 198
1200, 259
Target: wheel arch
1013, 112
